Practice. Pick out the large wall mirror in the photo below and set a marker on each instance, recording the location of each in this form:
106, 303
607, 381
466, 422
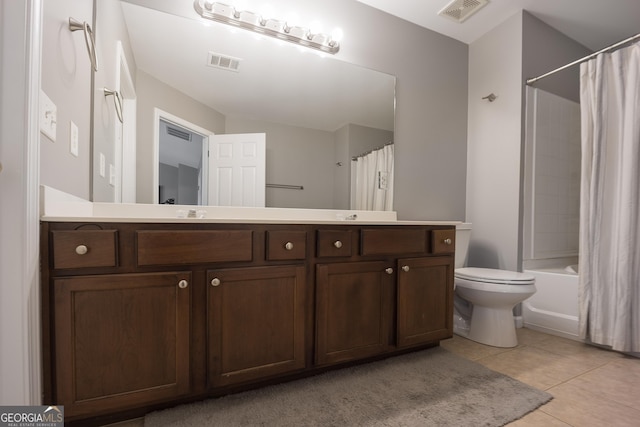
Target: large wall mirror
184, 81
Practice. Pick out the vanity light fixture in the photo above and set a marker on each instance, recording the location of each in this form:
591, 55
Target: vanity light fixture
271, 27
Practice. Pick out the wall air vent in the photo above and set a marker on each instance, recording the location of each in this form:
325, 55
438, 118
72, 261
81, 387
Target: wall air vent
461, 10
178, 133
224, 62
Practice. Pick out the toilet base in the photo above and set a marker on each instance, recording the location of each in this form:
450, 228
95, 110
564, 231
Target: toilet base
493, 326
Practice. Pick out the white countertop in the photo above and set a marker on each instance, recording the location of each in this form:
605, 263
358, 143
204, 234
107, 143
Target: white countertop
57, 206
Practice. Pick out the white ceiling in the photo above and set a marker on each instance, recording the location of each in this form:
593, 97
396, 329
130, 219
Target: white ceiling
593, 23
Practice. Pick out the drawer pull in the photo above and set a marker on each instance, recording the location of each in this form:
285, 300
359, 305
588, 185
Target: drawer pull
405, 268
447, 241
389, 270
288, 246
183, 284
82, 249
337, 244
215, 282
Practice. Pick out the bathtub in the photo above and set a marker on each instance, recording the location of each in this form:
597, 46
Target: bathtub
554, 307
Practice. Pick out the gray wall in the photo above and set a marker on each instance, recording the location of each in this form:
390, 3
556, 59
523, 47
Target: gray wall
493, 175
546, 49
66, 79
431, 105
500, 62
109, 29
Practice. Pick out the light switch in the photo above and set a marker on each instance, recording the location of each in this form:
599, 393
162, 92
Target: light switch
102, 165
73, 139
48, 116
112, 175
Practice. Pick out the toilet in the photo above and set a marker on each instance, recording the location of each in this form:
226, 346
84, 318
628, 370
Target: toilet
484, 298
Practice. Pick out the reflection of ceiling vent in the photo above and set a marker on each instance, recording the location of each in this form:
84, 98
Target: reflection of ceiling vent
460, 10
178, 133
224, 62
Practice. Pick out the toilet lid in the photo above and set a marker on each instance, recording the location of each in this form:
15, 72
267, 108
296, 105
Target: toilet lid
490, 275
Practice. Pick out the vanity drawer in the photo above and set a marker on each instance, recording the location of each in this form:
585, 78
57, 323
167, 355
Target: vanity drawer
284, 244
443, 241
193, 247
393, 241
334, 243
84, 248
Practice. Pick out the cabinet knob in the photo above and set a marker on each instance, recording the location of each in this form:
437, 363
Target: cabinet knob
81, 249
337, 244
389, 270
405, 268
288, 246
447, 241
183, 284
215, 282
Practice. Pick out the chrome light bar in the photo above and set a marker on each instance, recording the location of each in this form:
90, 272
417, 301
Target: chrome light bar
271, 27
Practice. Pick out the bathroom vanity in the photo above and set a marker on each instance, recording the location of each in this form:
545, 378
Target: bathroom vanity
144, 313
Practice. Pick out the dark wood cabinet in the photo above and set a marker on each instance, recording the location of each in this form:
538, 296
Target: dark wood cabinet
120, 340
138, 316
425, 300
354, 310
255, 319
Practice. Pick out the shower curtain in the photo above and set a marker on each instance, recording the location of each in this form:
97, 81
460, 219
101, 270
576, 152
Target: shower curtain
373, 183
610, 197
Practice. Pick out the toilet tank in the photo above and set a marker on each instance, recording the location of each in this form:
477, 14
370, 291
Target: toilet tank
463, 236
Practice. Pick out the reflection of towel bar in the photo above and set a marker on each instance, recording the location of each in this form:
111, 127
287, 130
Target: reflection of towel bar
289, 187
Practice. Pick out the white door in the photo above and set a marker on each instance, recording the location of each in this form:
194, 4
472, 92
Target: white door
237, 165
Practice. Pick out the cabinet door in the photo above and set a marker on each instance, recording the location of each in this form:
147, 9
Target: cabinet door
256, 322
353, 310
120, 340
425, 300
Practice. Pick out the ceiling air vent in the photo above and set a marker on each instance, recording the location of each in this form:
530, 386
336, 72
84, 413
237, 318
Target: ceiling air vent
461, 10
178, 133
224, 62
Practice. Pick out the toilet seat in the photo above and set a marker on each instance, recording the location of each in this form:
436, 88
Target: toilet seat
494, 276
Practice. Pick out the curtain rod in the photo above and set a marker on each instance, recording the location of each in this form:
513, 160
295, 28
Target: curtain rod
586, 58
354, 158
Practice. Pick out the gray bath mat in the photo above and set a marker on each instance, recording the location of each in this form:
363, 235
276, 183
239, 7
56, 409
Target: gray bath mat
428, 388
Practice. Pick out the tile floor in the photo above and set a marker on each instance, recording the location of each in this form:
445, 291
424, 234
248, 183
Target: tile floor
591, 387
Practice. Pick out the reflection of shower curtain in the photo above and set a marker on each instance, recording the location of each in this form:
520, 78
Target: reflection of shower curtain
610, 199
374, 180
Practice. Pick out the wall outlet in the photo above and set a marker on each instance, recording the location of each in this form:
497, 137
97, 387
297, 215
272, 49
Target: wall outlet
48, 116
73, 139
103, 162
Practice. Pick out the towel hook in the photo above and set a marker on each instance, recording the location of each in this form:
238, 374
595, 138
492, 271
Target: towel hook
89, 39
117, 101
491, 97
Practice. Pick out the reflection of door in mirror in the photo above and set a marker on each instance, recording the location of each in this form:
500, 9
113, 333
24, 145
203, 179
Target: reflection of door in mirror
180, 164
237, 170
